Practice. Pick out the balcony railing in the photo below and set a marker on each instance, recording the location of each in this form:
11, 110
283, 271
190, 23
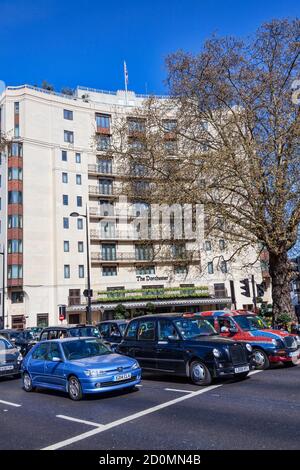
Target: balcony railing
99, 169
191, 256
97, 191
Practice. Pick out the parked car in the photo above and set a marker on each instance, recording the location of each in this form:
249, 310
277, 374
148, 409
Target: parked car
269, 346
112, 331
185, 345
10, 358
78, 366
22, 339
69, 331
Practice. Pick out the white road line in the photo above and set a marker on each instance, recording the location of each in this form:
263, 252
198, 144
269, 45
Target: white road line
255, 372
76, 420
177, 390
10, 404
127, 419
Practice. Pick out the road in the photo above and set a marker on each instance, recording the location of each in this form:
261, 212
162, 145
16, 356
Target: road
261, 412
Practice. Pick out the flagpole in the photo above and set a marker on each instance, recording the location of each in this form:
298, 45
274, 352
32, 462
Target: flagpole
125, 81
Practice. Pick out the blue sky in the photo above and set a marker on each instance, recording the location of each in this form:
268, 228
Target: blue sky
71, 43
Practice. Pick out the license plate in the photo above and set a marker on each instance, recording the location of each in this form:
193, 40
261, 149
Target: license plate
294, 354
238, 370
6, 367
117, 378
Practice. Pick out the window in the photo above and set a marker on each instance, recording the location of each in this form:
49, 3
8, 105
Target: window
136, 125
220, 291
81, 270
80, 247
109, 270
143, 252
15, 173
15, 197
66, 246
66, 222
79, 224
132, 330
69, 137
210, 267
169, 125
223, 266
42, 320
207, 245
146, 331
15, 246
103, 121
109, 252
108, 230
17, 122
170, 147
64, 155
79, 201
181, 270
15, 271
78, 179
116, 292
222, 244
17, 297
138, 169
103, 142
106, 208
15, 150
105, 166
15, 221
65, 200
40, 352
136, 145
144, 270
68, 114
166, 330
53, 351
77, 157
105, 186
66, 271
64, 177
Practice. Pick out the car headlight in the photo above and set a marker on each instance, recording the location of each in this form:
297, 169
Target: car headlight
135, 366
20, 358
216, 352
249, 347
94, 372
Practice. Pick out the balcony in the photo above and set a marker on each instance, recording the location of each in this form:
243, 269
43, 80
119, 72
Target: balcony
115, 234
132, 257
98, 212
97, 191
100, 170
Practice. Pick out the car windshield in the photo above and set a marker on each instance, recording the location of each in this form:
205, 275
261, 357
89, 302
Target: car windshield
250, 322
193, 327
83, 348
85, 331
28, 335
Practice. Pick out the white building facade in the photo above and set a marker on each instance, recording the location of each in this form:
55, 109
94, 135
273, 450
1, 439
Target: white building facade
53, 168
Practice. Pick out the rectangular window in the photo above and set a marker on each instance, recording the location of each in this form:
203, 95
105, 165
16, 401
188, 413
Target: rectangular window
169, 125
15, 221
77, 157
105, 186
15, 197
15, 173
105, 166
79, 201
103, 142
144, 270
17, 297
68, 114
79, 224
66, 246
64, 177
15, 246
103, 121
210, 267
81, 270
222, 244
66, 222
64, 155
16, 119
220, 290
15, 271
143, 252
15, 150
69, 137
109, 252
181, 270
109, 270
207, 245
80, 247
42, 320
223, 266
108, 230
136, 125
67, 271
78, 179
65, 200
106, 208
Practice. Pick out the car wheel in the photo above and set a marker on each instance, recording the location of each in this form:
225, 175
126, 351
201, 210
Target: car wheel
200, 374
261, 359
27, 382
74, 388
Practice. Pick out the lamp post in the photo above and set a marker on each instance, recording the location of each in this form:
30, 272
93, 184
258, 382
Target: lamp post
88, 310
3, 290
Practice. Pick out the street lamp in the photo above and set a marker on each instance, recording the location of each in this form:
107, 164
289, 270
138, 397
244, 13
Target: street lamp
88, 310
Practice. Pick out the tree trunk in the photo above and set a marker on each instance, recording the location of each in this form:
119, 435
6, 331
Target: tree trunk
281, 275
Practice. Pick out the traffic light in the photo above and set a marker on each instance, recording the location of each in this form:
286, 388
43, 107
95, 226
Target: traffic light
260, 290
62, 312
86, 292
245, 287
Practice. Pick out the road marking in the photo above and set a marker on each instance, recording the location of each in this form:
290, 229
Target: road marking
127, 419
9, 403
178, 390
76, 420
255, 372
139, 385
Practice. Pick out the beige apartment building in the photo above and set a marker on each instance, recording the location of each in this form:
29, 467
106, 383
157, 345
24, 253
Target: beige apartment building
57, 163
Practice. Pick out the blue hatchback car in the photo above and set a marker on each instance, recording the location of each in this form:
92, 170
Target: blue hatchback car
78, 366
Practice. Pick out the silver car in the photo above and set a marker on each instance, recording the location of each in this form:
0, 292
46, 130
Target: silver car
10, 358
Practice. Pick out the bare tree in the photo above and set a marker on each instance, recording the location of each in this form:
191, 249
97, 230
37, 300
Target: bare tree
228, 137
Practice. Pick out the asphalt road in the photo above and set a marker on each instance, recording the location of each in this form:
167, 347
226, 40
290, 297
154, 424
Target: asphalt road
262, 412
